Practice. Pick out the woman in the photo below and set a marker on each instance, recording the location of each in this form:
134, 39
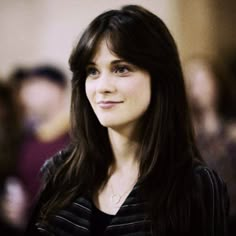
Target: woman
133, 167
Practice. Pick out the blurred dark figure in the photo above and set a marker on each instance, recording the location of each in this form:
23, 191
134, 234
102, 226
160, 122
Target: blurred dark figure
12, 220
231, 66
210, 97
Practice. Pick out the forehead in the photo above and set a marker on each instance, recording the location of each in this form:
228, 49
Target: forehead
103, 52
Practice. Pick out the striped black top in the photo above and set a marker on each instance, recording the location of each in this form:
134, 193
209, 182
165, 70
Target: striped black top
77, 219
99, 221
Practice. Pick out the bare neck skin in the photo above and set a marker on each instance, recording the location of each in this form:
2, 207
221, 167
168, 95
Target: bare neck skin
123, 174
124, 150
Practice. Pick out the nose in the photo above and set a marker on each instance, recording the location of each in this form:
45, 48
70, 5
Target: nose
105, 84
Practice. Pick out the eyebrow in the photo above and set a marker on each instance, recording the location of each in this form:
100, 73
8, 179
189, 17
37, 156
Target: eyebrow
112, 63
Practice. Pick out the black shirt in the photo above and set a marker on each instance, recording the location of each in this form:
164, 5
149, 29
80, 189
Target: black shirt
209, 210
100, 220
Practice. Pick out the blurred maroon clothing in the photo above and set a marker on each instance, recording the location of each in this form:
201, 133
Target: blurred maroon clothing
33, 154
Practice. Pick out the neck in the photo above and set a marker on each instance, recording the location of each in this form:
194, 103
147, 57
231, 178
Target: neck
123, 174
124, 150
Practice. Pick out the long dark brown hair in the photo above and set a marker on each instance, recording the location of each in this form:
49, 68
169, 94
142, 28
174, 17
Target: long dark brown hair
166, 142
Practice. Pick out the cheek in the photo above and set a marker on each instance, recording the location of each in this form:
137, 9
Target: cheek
87, 90
141, 96
142, 90
90, 92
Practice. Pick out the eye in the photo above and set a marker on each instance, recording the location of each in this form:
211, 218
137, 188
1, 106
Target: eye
121, 70
92, 72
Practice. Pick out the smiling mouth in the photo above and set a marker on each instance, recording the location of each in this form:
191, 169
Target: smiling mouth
108, 104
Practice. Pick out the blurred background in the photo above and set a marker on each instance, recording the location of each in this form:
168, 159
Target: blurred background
36, 39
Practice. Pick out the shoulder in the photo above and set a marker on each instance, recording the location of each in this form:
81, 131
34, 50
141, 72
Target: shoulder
207, 178
210, 200
51, 164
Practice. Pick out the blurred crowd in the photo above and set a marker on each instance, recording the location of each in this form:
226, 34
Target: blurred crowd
34, 125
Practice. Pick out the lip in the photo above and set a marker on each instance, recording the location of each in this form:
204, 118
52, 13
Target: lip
108, 104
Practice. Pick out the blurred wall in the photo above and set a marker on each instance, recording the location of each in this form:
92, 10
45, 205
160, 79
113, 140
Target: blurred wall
196, 27
225, 15
206, 27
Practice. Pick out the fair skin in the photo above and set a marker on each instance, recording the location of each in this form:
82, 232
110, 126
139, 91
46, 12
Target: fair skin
119, 94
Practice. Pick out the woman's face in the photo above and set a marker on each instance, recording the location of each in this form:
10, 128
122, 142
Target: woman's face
118, 91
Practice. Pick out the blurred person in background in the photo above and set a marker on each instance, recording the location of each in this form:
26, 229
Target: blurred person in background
44, 97
43, 94
211, 103
12, 219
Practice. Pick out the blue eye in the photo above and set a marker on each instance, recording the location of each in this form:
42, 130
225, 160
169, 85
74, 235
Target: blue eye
121, 69
92, 72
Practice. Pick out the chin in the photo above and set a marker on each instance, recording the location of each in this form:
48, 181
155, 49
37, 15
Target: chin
107, 120
107, 124
117, 125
